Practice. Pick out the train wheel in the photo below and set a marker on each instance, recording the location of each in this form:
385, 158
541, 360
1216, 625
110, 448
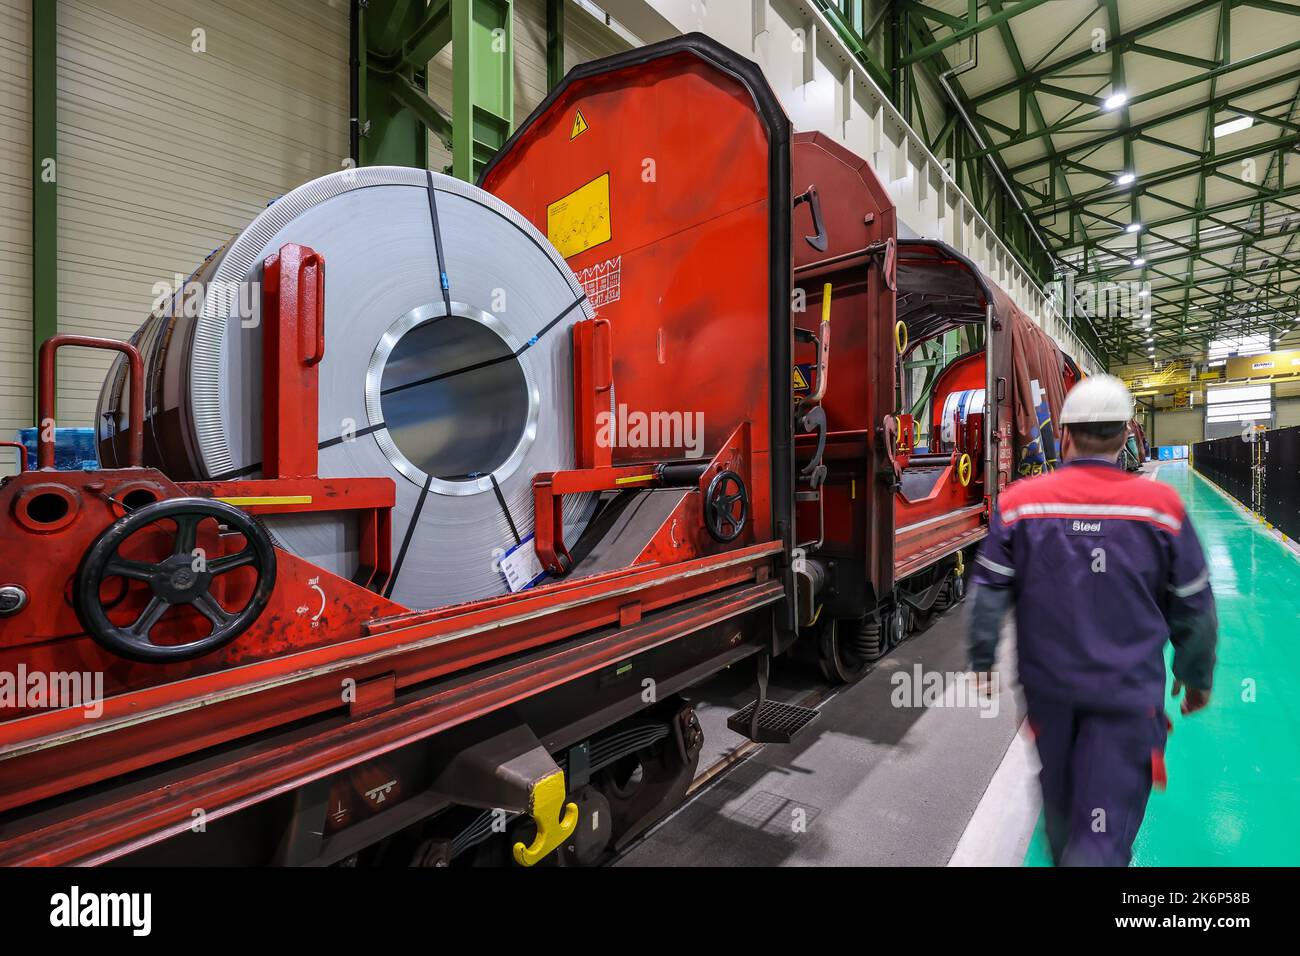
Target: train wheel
643, 786
848, 648
894, 621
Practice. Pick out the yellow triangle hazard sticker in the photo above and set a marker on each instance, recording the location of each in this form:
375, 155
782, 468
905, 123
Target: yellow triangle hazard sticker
579, 126
799, 380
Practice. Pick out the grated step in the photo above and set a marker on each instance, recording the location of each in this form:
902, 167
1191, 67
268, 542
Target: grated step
777, 723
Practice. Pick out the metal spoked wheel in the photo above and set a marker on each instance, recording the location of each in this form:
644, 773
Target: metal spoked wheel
726, 506
184, 576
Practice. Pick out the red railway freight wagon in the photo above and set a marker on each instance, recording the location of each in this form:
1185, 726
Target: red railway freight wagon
890, 521
665, 229
263, 707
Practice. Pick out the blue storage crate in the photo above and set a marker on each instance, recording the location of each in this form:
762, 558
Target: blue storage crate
74, 448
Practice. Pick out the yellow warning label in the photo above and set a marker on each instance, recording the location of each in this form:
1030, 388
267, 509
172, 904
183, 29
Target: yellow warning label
579, 126
800, 380
580, 220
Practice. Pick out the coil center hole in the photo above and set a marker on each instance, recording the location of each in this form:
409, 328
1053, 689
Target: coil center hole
454, 398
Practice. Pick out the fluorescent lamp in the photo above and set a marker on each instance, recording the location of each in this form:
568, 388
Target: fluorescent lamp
1233, 126
1115, 100
1133, 227
1125, 178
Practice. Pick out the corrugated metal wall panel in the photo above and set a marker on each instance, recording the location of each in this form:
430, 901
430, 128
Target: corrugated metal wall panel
15, 222
166, 152
584, 39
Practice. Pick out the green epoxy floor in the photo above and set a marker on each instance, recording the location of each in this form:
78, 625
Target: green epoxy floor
1234, 768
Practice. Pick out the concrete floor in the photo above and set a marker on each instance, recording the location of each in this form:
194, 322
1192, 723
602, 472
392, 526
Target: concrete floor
869, 784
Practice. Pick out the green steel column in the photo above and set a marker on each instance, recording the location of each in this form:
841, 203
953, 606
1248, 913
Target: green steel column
391, 134
482, 98
45, 208
554, 43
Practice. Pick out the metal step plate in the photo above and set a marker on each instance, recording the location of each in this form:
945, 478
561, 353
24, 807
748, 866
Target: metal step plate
777, 723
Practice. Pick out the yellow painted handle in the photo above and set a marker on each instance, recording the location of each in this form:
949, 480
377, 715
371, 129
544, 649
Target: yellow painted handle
900, 336
963, 470
555, 819
826, 302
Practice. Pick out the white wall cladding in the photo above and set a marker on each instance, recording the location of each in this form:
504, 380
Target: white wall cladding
585, 39
15, 223
823, 87
165, 153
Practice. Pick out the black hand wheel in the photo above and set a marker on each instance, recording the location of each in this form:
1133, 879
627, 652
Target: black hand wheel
722, 518
183, 577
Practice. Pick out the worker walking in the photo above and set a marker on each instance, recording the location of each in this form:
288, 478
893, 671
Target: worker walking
1101, 568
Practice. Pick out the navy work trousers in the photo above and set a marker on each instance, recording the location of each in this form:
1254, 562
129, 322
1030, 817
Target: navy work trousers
1096, 777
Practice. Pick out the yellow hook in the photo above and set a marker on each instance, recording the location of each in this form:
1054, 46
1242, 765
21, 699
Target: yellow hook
555, 819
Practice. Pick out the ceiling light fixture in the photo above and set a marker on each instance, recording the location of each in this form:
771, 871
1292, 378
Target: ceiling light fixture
1139, 261
1115, 100
1133, 227
1235, 125
1125, 178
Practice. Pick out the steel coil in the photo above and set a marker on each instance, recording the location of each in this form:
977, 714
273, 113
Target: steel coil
959, 406
459, 389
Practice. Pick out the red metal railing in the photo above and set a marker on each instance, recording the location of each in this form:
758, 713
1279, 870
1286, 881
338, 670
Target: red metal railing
45, 392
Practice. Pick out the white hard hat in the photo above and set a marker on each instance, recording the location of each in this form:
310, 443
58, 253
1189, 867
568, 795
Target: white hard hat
1098, 398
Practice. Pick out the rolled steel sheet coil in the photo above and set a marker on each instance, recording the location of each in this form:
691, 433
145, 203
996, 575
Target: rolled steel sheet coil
959, 405
459, 391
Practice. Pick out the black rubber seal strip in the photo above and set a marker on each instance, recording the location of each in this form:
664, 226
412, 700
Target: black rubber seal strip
406, 539
443, 281
505, 509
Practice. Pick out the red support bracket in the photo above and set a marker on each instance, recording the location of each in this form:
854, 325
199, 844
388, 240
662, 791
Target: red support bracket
549, 489
593, 377
293, 319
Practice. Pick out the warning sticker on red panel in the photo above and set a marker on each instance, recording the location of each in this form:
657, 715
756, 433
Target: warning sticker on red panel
603, 282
